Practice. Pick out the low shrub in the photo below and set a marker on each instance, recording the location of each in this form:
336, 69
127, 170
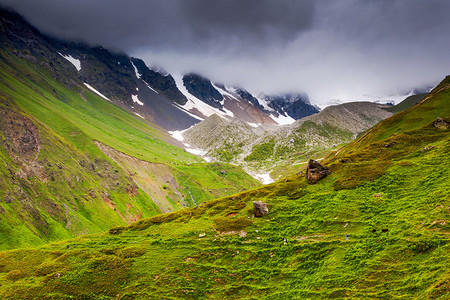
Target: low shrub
231, 224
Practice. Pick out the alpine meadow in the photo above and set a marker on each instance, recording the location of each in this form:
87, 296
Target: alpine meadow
120, 180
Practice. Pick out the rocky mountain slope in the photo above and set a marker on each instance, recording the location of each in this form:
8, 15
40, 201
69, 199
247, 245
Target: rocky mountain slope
375, 227
294, 106
172, 103
73, 160
265, 147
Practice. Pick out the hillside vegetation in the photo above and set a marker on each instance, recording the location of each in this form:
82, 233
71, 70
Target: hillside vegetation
56, 180
284, 150
388, 191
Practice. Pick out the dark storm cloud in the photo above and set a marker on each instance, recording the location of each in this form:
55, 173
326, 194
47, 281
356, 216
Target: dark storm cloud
169, 24
346, 49
251, 19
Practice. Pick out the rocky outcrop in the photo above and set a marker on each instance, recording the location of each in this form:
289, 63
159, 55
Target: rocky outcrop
316, 172
21, 135
22, 142
296, 106
202, 88
261, 209
440, 123
164, 84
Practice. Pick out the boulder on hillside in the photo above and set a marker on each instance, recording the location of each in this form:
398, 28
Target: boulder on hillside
316, 171
261, 209
440, 123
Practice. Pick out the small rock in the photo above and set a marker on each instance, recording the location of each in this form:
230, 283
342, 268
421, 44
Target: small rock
202, 235
441, 123
377, 195
428, 148
390, 144
8, 200
57, 275
261, 209
316, 171
242, 233
114, 231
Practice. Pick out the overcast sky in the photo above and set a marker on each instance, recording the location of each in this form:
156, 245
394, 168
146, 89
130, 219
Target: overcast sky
329, 49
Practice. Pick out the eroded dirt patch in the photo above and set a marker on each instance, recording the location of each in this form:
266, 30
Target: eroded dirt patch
21, 135
23, 143
154, 179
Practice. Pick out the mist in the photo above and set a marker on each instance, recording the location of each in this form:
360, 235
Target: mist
332, 50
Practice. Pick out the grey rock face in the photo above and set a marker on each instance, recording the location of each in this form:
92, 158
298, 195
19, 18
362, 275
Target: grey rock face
261, 209
316, 172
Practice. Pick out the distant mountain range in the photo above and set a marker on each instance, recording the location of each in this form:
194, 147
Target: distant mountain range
264, 146
85, 144
173, 102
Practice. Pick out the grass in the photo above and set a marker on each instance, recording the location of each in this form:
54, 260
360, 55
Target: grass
84, 190
201, 253
218, 250
261, 152
407, 103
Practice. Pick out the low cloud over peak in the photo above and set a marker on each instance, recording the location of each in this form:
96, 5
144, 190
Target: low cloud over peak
346, 50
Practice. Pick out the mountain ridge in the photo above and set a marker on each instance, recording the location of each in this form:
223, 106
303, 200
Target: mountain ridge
56, 183
375, 227
242, 143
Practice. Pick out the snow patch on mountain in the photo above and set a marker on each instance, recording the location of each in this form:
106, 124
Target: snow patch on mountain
136, 99
225, 93
264, 178
136, 70
139, 115
195, 103
264, 103
188, 112
178, 135
198, 152
282, 120
140, 77
73, 61
97, 92
148, 85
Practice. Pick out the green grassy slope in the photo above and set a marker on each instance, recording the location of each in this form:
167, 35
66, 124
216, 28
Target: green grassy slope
218, 250
407, 103
72, 187
417, 116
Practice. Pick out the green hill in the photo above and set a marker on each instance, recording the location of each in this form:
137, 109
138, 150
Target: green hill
56, 181
388, 191
407, 103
